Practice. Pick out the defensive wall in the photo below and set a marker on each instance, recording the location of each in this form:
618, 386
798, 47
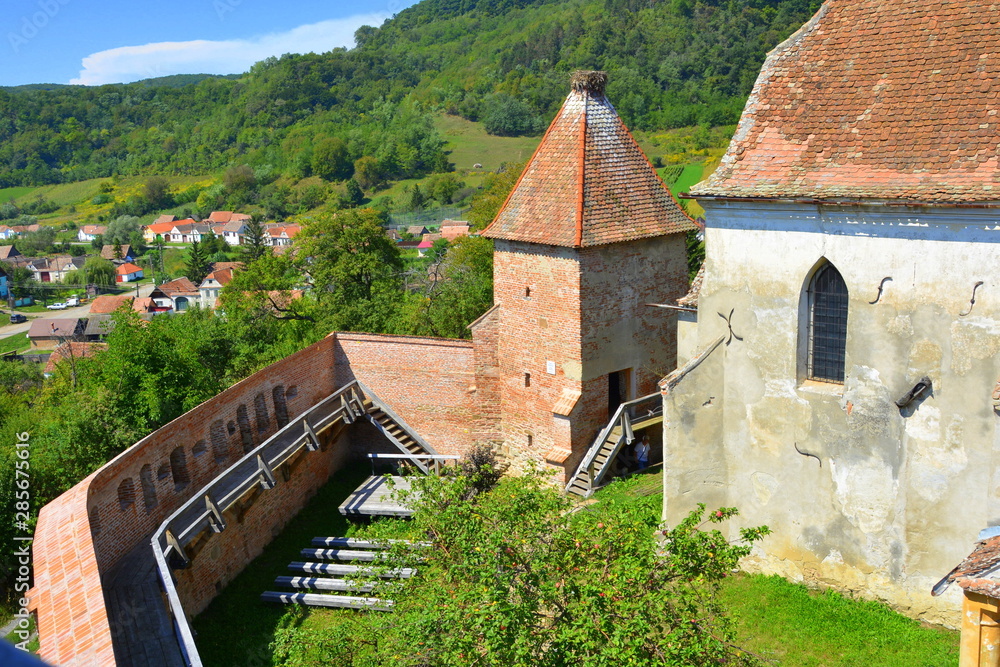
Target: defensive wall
84, 533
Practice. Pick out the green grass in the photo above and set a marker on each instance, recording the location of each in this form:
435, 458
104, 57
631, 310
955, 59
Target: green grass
793, 625
238, 612
16, 343
6, 194
470, 144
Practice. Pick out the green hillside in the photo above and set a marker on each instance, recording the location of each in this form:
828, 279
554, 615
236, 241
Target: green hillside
503, 63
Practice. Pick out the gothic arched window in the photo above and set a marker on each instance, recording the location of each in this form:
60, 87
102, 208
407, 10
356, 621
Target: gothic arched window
827, 325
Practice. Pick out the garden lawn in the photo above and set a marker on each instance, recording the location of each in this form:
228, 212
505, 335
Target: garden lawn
796, 626
16, 343
237, 627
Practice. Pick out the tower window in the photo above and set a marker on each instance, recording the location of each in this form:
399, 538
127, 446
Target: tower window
527, 379
827, 325
527, 292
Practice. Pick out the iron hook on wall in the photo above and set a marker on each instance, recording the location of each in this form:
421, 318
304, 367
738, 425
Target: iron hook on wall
729, 323
972, 302
881, 285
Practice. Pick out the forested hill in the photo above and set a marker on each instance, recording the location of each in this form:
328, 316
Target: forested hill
672, 63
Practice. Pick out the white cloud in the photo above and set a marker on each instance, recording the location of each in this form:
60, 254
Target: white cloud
132, 63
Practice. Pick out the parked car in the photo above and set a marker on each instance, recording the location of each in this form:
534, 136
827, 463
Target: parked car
17, 318
73, 301
56, 306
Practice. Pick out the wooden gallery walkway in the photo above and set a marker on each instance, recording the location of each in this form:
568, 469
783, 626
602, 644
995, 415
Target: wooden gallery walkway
142, 631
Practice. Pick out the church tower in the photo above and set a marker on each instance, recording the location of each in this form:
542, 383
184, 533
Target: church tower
587, 239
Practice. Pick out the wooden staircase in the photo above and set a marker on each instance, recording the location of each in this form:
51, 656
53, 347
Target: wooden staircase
403, 438
326, 591
632, 416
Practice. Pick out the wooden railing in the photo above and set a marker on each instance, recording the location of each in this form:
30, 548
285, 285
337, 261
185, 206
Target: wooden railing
205, 509
638, 409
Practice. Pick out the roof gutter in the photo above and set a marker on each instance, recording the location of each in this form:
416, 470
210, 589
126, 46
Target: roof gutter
841, 202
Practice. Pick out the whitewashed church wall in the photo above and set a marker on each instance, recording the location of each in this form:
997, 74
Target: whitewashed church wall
860, 493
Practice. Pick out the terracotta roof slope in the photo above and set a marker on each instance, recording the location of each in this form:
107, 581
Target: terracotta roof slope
588, 182
874, 100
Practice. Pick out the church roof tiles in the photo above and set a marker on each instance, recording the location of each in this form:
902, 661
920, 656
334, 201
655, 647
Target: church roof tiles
874, 100
588, 182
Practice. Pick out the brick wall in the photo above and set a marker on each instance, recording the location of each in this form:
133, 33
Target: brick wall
258, 520
120, 505
586, 312
429, 382
538, 291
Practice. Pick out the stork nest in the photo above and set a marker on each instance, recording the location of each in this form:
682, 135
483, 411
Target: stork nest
589, 81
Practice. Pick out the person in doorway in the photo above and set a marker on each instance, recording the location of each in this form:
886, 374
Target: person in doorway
642, 452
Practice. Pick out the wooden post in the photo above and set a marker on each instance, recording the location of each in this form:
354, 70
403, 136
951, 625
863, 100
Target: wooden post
267, 480
312, 441
176, 546
215, 519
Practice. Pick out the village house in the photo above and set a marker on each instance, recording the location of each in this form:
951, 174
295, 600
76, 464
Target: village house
7, 233
177, 295
55, 269
212, 285
231, 232
837, 376
225, 217
161, 229
280, 234
127, 273
88, 233
120, 253
109, 303
453, 229
188, 231
47, 334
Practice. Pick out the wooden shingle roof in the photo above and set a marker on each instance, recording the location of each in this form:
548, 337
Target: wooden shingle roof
874, 100
588, 182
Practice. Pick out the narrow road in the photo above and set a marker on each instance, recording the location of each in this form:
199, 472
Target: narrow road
7, 329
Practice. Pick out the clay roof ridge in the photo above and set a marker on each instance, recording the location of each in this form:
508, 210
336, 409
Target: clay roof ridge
524, 171
583, 171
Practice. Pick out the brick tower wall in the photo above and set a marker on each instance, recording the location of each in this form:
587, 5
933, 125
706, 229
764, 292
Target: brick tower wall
588, 312
537, 288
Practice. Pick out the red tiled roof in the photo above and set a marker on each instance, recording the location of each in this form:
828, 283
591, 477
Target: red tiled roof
690, 300
161, 227
94, 229
108, 303
127, 268
588, 183
144, 305
974, 573
218, 266
877, 100
221, 276
78, 350
180, 286
227, 216
164, 218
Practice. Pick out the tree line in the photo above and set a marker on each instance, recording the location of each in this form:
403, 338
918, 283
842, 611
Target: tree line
367, 112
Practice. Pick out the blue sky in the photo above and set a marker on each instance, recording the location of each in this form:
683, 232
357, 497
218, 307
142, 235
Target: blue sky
93, 42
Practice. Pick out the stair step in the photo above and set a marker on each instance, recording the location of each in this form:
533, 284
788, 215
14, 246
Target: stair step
352, 543
322, 584
341, 554
320, 600
356, 570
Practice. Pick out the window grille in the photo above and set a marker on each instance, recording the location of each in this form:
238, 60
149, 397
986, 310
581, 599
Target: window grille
827, 325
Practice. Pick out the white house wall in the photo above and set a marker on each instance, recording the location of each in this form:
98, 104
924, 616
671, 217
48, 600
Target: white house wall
859, 493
